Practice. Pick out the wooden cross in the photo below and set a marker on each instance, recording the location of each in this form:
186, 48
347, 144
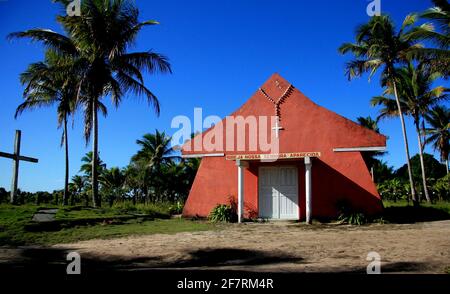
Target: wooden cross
277, 128
16, 157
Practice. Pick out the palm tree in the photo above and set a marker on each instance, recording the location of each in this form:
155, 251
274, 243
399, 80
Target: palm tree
416, 98
438, 133
155, 152
378, 45
439, 59
369, 157
113, 181
100, 37
86, 165
49, 83
86, 169
78, 185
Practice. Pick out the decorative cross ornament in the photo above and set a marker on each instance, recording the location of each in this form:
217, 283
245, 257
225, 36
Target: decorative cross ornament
277, 104
277, 128
16, 157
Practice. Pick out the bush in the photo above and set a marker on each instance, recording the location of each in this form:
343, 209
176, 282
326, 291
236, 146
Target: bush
441, 189
222, 213
348, 215
353, 218
156, 209
176, 208
393, 190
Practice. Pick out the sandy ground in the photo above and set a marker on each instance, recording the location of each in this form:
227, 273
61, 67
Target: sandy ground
282, 247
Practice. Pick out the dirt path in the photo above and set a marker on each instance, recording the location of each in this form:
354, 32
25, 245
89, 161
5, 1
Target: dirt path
422, 247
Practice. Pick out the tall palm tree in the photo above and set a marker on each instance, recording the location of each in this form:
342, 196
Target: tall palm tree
101, 37
416, 96
438, 133
48, 83
439, 15
379, 46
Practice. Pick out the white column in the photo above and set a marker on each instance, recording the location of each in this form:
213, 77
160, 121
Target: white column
242, 165
308, 188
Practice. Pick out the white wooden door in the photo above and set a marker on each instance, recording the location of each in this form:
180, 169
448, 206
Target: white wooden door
278, 192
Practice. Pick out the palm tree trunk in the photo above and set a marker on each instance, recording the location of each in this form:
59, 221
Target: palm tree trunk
405, 139
66, 178
422, 165
95, 198
446, 165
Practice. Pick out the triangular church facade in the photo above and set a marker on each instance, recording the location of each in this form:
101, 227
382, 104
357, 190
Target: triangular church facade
316, 165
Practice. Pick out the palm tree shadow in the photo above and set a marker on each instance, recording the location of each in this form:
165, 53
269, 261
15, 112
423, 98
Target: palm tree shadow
54, 260
233, 257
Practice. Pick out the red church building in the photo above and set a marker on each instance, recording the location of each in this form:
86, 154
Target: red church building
318, 160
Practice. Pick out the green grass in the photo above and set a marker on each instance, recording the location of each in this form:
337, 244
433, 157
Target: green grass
441, 205
14, 221
404, 212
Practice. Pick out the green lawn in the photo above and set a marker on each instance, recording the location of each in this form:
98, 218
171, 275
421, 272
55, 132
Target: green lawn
15, 222
404, 212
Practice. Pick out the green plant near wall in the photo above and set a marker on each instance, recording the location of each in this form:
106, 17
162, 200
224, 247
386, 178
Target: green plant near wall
353, 218
222, 213
349, 215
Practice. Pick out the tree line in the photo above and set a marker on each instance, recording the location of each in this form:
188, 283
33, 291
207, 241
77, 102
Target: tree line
410, 59
155, 174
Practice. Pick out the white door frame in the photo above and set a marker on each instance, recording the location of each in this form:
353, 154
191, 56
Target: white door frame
260, 198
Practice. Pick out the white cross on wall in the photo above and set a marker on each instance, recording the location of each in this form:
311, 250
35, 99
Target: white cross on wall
277, 128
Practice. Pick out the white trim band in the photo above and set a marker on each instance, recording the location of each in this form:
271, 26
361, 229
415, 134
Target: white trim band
360, 149
202, 155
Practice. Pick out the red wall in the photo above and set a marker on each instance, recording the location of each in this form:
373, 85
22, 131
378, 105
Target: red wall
307, 127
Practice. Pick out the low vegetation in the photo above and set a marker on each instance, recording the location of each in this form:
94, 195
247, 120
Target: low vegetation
77, 223
223, 213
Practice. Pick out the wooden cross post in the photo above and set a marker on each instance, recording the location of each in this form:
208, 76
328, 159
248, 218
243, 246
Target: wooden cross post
16, 157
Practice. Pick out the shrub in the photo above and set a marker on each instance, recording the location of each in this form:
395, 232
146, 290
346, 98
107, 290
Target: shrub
153, 209
441, 189
393, 190
353, 218
222, 213
348, 215
176, 208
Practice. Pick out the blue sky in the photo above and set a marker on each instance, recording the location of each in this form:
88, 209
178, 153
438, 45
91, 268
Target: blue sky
220, 51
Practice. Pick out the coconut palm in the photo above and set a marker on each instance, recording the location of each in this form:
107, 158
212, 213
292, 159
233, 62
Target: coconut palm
417, 96
155, 150
438, 134
51, 83
86, 165
100, 39
379, 46
439, 15
154, 154
77, 186
369, 157
112, 181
